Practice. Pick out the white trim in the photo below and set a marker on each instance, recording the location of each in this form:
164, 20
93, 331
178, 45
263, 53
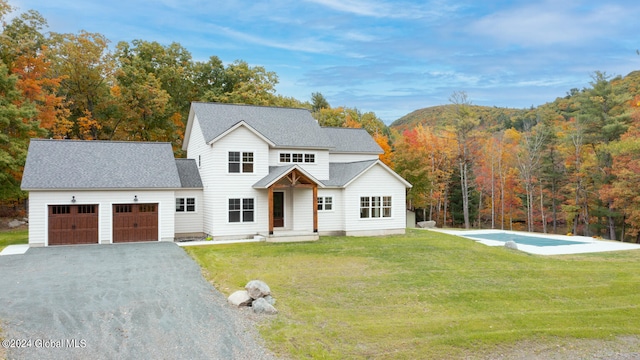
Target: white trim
333, 204
294, 167
185, 211
236, 126
378, 162
255, 210
303, 153
284, 209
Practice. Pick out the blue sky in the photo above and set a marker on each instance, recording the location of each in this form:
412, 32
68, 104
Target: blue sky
386, 56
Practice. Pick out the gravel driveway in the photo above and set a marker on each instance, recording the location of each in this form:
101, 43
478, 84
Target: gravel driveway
129, 301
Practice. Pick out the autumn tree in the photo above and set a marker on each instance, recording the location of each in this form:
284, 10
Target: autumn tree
17, 126
464, 122
318, 102
84, 62
244, 84
605, 117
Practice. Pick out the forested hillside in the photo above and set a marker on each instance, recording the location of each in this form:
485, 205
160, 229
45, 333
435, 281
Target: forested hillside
571, 165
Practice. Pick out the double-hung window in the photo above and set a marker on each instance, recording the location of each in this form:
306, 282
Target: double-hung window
240, 162
241, 210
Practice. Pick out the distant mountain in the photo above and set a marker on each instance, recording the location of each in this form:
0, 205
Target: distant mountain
438, 116
495, 118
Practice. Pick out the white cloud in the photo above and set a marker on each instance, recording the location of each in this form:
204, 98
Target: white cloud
379, 9
550, 23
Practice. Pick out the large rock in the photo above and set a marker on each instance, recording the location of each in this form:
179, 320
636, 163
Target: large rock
15, 223
511, 245
426, 224
270, 300
257, 289
240, 298
261, 306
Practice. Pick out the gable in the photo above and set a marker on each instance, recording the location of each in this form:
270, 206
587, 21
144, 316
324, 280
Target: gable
282, 127
73, 164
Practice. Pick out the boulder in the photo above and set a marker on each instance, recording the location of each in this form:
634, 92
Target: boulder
426, 224
511, 245
240, 298
15, 223
270, 299
261, 306
257, 289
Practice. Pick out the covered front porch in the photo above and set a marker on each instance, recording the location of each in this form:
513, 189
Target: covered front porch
292, 203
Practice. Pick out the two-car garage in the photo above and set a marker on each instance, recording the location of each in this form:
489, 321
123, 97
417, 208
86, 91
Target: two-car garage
105, 192
79, 224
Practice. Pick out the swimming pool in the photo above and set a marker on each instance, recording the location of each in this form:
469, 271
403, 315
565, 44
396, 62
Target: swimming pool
521, 239
541, 244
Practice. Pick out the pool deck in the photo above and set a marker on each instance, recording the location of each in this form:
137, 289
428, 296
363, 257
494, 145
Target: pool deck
589, 245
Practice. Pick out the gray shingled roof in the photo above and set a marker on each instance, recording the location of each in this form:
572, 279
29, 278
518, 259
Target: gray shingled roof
352, 140
341, 173
285, 127
71, 164
189, 173
276, 172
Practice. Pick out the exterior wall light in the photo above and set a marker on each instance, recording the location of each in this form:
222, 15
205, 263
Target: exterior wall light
135, 198
73, 199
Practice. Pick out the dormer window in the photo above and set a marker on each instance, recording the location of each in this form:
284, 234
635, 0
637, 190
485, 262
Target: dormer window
240, 162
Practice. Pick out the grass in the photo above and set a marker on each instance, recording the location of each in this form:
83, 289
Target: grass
426, 294
13, 237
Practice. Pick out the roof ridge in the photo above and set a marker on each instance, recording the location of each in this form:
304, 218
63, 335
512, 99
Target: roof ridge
102, 141
248, 105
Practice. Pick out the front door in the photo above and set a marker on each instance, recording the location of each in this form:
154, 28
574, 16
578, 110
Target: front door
278, 209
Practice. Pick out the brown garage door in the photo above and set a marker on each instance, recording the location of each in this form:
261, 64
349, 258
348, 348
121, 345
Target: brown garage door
135, 222
73, 224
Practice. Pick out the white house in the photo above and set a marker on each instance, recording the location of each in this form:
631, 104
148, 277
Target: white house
250, 170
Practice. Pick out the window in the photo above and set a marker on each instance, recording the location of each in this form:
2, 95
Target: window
309, 158
86, 209
185, 204
241, 210
60, 209
386, 206
375, 206
124, 209
325, 203
297, 158
239, 164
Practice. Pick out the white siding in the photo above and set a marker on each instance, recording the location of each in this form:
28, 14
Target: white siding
369, 184
350, 157
319, 169
332, 221
302, 214
220, 186
190, 222
40, 200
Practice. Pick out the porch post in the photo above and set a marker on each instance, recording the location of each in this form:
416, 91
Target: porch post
270, 201
315, 208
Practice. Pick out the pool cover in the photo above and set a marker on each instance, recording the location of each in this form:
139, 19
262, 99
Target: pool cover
522, 239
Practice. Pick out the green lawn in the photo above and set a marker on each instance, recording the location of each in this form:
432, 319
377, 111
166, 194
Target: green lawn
12, 237
426, 294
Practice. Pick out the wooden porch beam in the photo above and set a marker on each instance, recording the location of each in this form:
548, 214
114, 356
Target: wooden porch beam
314, 203
270, 202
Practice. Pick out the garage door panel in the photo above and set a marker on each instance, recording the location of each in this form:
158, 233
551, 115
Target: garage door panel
73, 224
135, 222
